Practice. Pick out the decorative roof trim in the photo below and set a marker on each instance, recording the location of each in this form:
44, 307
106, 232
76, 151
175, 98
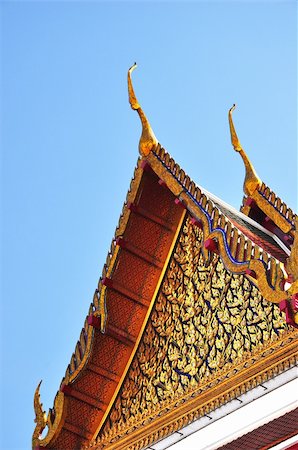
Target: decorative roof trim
144, 323
83, 349
280, 220
40, 414
265, 271
248, 219
213, 221
54, 420
277, 204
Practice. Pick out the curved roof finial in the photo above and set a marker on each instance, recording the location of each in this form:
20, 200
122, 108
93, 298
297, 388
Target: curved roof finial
40, 415
148, 141
252, 181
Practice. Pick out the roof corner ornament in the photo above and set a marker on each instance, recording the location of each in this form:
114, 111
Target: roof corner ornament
148, 141
53, 420
252, 181
40, 415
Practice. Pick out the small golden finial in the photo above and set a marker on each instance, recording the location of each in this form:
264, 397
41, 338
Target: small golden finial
148, 141
252, 181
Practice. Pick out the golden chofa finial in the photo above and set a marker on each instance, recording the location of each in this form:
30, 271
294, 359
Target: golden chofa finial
148, 141
252, 181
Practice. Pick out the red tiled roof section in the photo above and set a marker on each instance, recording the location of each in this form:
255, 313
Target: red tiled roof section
262, 241
268, 435
144, 247
278, 204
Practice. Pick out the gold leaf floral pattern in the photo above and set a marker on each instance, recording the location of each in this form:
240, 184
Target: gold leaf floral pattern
205, 320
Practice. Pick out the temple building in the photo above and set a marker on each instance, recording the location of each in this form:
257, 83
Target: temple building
193, 322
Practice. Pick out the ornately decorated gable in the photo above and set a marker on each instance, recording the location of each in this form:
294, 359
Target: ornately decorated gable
211, 336
196, 304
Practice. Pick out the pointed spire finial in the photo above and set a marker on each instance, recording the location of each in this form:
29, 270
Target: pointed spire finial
148, 141
252, 181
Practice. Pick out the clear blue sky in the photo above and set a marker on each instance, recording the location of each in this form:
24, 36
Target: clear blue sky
69, 145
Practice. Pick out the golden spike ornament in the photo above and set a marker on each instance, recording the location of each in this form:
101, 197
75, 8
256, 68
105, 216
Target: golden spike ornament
40, 415
252, 181
148, 141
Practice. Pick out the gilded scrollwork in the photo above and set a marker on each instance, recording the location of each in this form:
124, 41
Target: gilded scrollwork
206, 321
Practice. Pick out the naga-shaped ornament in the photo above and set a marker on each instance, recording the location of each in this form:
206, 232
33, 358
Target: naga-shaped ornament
53, 420
40, 415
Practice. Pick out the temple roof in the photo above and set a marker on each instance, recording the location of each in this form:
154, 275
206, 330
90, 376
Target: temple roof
268, 435
180, 258
253, 230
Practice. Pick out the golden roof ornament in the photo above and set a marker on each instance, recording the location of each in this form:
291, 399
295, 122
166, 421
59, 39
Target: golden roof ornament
148, 141
40, 414
252, 181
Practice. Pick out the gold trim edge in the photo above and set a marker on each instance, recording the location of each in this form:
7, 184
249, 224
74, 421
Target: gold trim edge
83, 347
175, 237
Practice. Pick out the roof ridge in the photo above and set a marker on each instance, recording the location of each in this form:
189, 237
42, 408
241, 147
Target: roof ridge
203, 197
235, 248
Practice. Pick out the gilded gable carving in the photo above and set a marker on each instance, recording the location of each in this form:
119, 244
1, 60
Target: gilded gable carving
206, 322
